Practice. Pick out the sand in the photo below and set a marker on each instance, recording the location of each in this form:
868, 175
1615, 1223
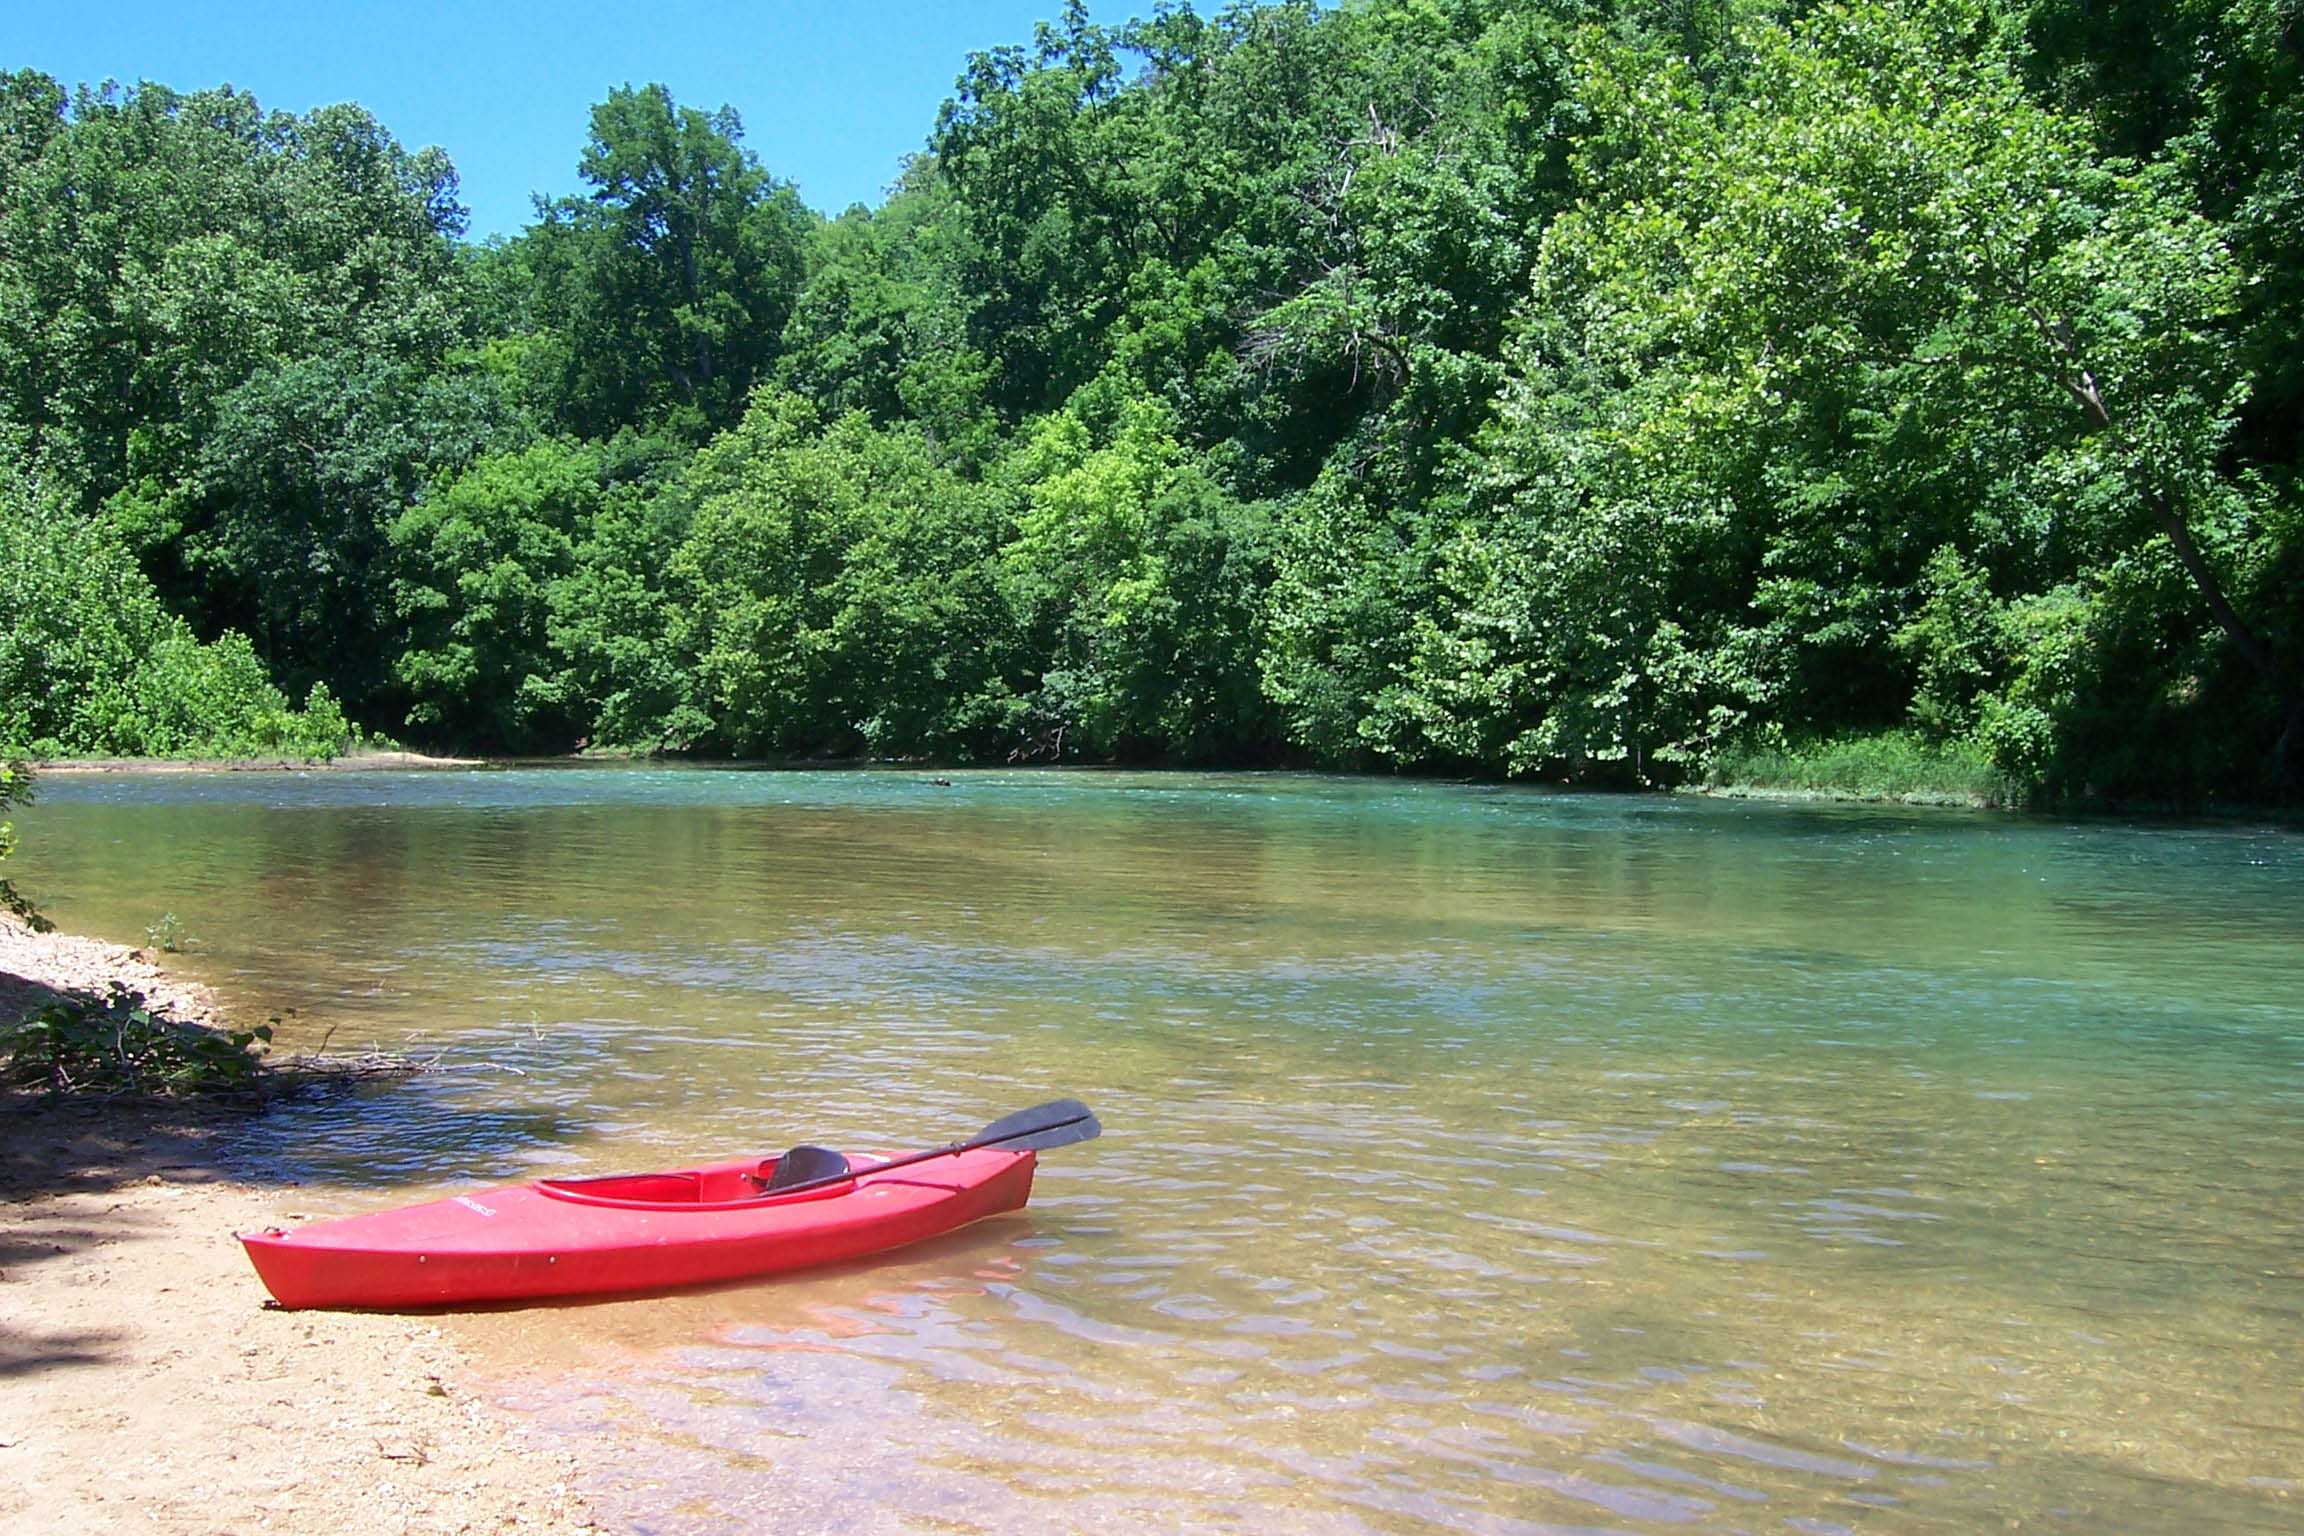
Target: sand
144, 1383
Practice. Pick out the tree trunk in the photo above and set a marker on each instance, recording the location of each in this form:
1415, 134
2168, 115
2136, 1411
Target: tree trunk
2288, 751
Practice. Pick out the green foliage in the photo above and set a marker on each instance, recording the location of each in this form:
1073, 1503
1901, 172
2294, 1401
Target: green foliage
157, 249
91, 663
2214, 91
167, 935
836, 592
1875, 306
214, 327
479, 558
1131, 575
881, 325
664, 292
610, 622
15, 789
126, 1046
307, 467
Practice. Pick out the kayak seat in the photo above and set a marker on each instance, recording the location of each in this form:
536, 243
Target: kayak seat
804, 1165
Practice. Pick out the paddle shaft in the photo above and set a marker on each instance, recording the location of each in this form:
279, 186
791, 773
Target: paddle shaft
954, 1150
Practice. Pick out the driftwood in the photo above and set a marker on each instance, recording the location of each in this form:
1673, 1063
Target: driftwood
345, 1069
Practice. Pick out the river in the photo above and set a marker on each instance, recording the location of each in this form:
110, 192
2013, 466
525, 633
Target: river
1476, 1159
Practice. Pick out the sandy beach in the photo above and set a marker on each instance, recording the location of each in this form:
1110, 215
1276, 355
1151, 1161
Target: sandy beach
149, 1388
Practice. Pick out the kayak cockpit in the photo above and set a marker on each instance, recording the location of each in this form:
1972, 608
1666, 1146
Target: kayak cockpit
642, 1188
731, 1187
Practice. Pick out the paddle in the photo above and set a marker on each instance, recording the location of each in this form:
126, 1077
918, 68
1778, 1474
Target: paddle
1058, 1123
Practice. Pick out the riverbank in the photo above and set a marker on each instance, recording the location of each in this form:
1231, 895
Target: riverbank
149, 1388
349, 762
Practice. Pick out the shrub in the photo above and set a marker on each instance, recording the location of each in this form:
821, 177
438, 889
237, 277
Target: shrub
124, 1045
92, 663
15, 789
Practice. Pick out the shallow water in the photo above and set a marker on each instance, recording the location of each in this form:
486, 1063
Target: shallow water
1476, 1159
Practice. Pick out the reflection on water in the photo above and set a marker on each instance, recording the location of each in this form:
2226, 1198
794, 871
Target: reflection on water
1478, 1160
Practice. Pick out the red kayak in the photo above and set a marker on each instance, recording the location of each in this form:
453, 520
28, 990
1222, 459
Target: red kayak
654, 1231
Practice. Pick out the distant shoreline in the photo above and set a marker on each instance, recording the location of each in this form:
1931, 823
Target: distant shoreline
1918, 799
350, 762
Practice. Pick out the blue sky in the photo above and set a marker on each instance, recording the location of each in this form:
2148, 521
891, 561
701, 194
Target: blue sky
833, 96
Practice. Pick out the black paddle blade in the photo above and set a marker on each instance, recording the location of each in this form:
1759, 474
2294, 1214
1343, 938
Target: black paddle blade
806, 1165
1058, 1123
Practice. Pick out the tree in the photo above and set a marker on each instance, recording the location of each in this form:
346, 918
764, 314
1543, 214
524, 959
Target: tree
1871, 302
2215, 90
91, 661
157, 249
476, 561
835, 592
882, 324
670, 285
1134, 579
1576, 387
609, 622
298, 483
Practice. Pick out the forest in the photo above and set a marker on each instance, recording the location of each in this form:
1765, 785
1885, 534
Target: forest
1599, 391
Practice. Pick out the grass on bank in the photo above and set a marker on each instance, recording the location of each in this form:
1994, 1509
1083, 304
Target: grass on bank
1893, 765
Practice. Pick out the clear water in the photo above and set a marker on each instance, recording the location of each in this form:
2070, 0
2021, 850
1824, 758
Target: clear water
1477, 1159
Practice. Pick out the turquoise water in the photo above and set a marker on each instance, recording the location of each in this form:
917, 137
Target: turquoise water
1477, 1159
